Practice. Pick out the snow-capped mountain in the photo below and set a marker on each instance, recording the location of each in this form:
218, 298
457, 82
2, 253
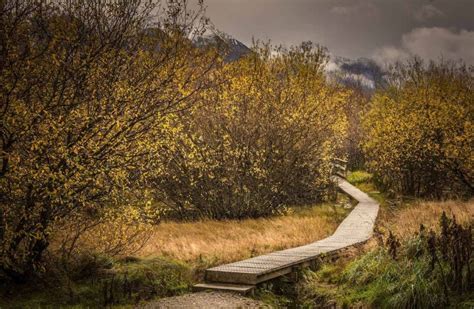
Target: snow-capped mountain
361, 72
364, 72
231, 48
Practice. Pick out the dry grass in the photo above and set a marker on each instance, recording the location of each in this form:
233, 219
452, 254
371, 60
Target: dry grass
406, 221
211, 242
208, 242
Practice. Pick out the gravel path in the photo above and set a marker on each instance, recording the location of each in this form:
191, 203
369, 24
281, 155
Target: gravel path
206, 300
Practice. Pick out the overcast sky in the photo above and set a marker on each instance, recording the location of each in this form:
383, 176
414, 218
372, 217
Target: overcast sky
380, 29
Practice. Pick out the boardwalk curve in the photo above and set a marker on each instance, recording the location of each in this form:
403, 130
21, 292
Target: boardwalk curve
242, 276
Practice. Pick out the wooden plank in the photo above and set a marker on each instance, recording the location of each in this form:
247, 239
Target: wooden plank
340, 160
230, 276
341, 167
238, 288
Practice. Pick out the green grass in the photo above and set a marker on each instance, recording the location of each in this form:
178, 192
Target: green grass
377, 280
380, 281
130, 281
357, 177
267, 296
365, 182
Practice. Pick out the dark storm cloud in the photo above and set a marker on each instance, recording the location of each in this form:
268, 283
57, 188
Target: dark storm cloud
383, 29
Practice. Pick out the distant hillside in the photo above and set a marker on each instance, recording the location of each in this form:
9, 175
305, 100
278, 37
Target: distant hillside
363, 72
231, 48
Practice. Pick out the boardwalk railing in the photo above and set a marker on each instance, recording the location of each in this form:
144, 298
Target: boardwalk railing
244, 275
339, 167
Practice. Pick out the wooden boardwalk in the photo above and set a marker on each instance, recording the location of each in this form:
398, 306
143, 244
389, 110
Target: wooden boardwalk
242, 276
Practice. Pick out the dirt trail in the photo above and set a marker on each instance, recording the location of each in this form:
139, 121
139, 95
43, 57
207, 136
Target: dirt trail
206, 300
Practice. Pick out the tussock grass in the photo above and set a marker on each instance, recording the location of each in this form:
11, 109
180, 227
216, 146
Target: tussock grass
406, 221
210, 242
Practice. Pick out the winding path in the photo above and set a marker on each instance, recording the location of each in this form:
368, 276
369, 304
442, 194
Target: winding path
244, 275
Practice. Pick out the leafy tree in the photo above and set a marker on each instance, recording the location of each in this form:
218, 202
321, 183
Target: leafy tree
84, 88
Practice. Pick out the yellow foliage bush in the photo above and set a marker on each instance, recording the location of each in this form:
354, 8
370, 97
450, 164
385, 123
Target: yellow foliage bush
420, 133
118, 232
84, 88
262, 139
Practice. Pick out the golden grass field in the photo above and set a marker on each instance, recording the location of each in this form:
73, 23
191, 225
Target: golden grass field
212, 242
405, 221
209, 242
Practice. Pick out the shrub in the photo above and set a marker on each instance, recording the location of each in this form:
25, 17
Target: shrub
356, 106
263, 139
419, 131
113, 234
83, 88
